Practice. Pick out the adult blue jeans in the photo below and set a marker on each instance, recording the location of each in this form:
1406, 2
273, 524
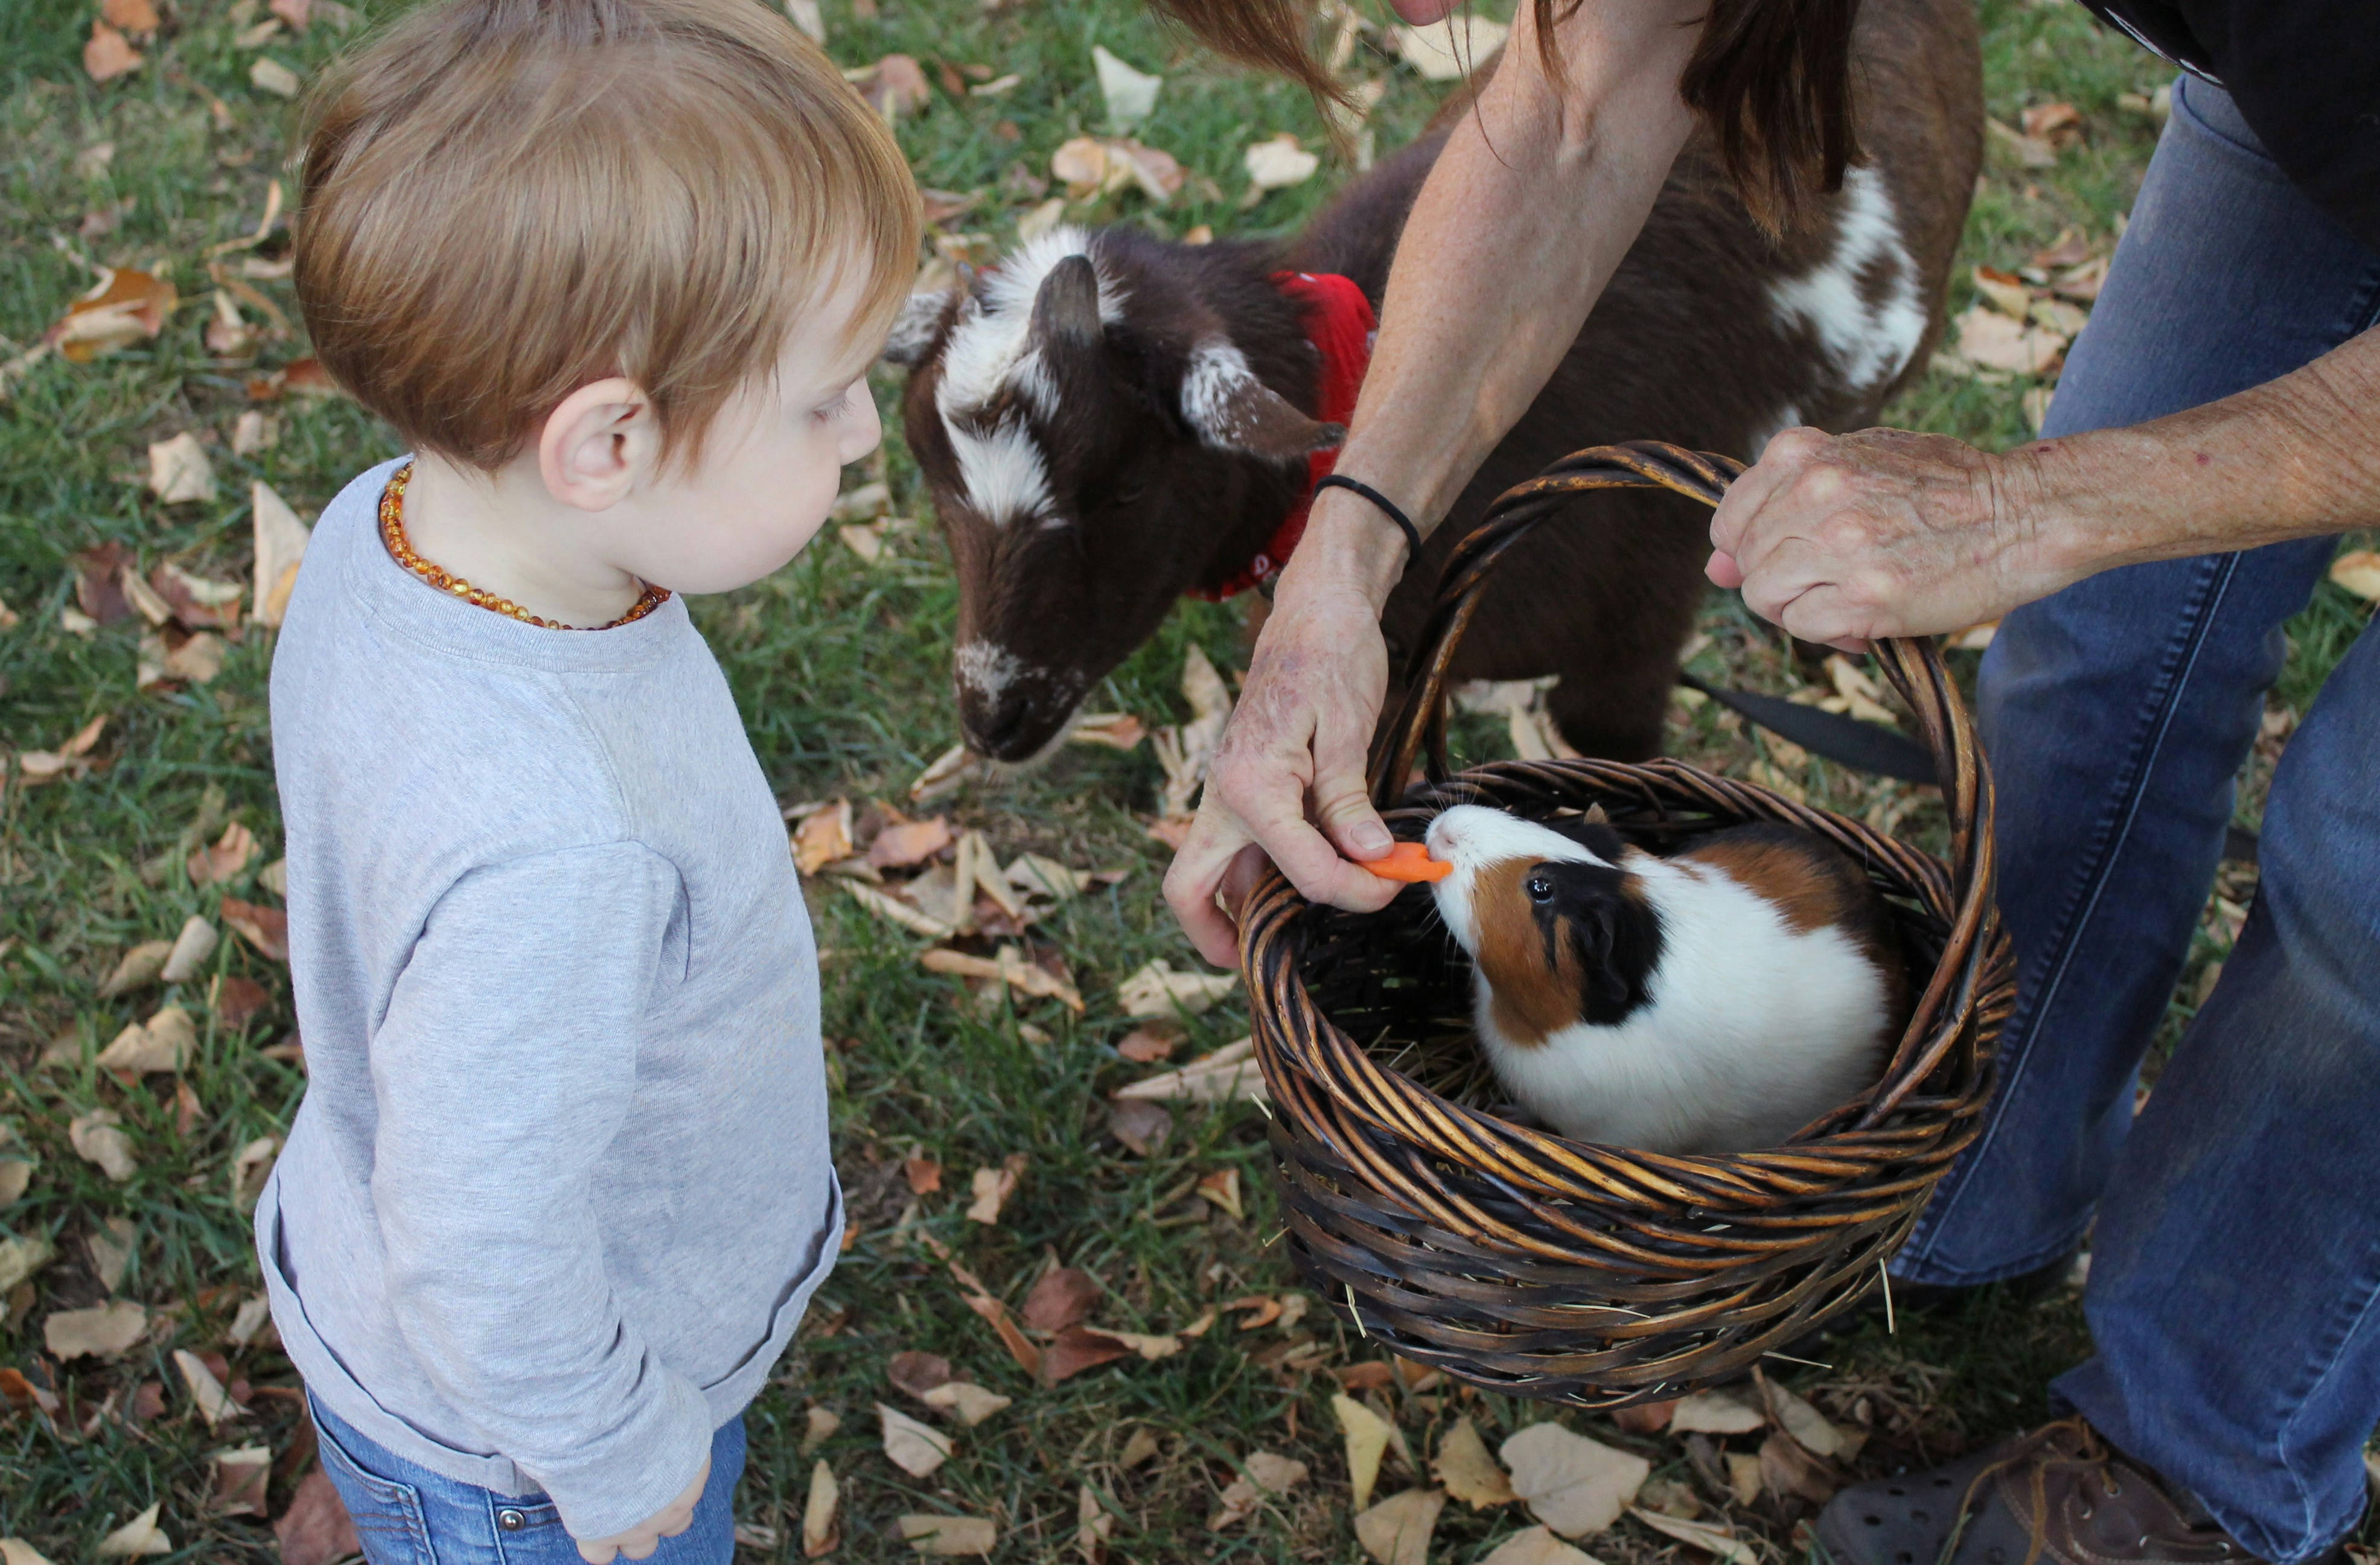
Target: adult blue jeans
408, 1515
2234, 1296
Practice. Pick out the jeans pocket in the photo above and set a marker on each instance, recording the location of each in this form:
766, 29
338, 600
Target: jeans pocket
387, 1514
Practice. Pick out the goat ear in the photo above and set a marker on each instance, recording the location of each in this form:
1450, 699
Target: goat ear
918, 325
1232, 410
1066, 308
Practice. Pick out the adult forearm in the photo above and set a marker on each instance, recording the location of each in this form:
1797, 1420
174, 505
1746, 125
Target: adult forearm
2297, 457
1529, 210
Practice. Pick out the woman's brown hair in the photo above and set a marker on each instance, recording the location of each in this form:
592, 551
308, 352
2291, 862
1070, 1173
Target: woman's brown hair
1771, 79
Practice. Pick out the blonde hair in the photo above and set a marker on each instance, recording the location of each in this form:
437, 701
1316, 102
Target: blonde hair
506, 199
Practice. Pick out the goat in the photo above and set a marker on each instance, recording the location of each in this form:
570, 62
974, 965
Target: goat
1107, 420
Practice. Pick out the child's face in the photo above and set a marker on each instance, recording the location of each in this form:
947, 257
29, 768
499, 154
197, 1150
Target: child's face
768, 471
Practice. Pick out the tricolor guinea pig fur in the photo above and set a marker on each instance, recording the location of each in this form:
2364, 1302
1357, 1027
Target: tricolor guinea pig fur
1715, 1000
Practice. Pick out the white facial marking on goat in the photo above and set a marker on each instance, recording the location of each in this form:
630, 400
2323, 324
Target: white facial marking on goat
1212, 392
991, 350
986, 668
1869, 342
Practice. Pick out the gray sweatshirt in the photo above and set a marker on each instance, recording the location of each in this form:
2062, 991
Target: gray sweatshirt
560, 1187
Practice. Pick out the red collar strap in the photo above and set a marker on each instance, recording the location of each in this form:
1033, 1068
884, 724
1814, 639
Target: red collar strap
1340, 324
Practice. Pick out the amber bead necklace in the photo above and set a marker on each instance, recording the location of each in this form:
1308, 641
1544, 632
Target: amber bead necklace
392, 534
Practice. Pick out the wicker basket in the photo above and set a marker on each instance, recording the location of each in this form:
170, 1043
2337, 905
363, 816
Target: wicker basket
1541, 1266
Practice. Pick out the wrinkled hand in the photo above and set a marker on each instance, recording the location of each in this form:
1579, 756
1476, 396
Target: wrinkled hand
1288, 779
1842, 539
639, 1541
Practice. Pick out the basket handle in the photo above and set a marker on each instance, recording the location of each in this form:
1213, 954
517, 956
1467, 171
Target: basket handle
1914, 666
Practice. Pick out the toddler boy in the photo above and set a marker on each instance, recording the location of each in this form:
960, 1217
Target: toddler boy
559, 1190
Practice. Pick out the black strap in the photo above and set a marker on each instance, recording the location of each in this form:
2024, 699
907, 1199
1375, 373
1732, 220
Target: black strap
1387, 506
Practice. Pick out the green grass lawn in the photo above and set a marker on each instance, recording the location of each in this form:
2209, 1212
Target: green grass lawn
840, 667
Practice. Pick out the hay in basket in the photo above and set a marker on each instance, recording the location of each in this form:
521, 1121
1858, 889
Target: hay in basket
1529, 1264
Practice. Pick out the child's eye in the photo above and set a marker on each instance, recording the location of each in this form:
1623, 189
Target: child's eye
833, 407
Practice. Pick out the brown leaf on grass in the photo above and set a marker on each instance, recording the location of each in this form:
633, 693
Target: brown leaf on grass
1396, 1531
949, 1537
132, 16
1537, 1546
229, 856
1061, 1298
197, 601
241, 1478
250, 1168
136, 968
1229, 1075
101, 1331
2005, 291
1263, 1310
1574, 1484
1370, 1376
818, 1535
106, 55
1093, 1526
193, 944
1367, 1433
893, 86
139, 1536
1147, 1046
98, 1138
969, 1401
1141, 1126
1267, 1473
98, 589
823, 836
1798, 1418
180, 471
1466, 1470
1788, 1469
2032, 152
2357, 571
40, 766
1716, 1412
1077, 1349
924, 1174
818, 1424
1114, 731
1701, 1535
2061, 125
266, 928
237, 1001
297, 13
23, 1255
1020, 1347
992, 1187
280, 542
19, 1393
918, 1449
1222, 1190
316, 1528
909, 843
207, 1393
162, 1043
1645, 1418
918, 1373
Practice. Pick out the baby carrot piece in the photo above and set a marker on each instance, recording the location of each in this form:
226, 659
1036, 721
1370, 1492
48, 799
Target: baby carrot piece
1409, 862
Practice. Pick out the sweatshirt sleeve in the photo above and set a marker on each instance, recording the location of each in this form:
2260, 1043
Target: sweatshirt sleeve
503, 1072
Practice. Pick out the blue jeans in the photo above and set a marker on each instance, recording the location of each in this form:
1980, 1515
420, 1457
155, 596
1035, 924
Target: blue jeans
2234, 1298
408, 1515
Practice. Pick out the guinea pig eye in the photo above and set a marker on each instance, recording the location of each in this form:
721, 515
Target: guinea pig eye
1540, 889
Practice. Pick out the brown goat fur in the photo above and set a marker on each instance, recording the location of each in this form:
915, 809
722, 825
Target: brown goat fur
1086, 478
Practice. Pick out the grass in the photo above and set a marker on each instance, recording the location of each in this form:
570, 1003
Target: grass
840, 671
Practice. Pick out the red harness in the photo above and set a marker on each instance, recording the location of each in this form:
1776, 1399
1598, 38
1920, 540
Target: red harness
1340, 324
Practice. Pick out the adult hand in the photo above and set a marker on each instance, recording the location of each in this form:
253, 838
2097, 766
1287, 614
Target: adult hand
1845, 539
639, 1541
1288, 779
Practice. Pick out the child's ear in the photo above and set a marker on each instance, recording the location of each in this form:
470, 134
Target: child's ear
597, 443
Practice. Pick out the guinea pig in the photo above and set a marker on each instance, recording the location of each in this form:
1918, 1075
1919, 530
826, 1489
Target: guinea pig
1715, 1000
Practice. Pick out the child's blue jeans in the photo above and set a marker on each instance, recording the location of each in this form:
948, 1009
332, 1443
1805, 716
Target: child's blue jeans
408, 1515
2234, 1296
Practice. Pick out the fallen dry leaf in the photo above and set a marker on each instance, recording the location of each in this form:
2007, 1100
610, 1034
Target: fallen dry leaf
22, 1256
2061, 125
2030, 151
106, 55
195, 942
915, 1448
823, 836
269, 75
99, 1138
1367, 1436
1716, 1412
1151, 1346
316, 1528
1093, 1526
1142, 1046
1788, 1470
1467, 1471
1012, 1336
2357, 571
1451, 50
281, 542
1396, 1531
141, 1536
1537, 1546
924, 1174
1702, 1536
101, 1331
249, 1321
136, 968
818, 1536
1131, 95
1575, 1485
918, 1373
162, 1043
1141, 1126
207, 1393
949, 1537
1222, 1190
1187, 751
893, 86
992, 1187
132, 16
17, 1551
1799, 1419
1079, 1348
910, 844
229, 856
249, 1167
1644, 1418
1267, 1473
237, 1001
969, 1401
266, 928
2005, 290
1114, 730
1743, 1479
180, 472
1229, 1075
819, 1426
1993, 341
1062, 1297
894, 910
1158, 991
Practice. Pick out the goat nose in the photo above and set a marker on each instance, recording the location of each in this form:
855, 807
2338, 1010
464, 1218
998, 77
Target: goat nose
999, 724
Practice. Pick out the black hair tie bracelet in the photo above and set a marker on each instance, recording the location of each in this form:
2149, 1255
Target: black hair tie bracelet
1388, 507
